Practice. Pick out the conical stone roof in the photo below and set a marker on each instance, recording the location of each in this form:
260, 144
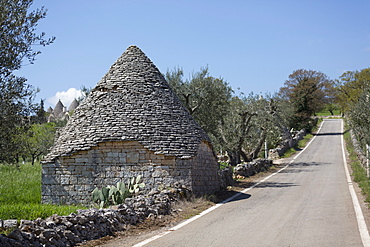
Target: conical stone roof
131, 102
73, 105
58, 109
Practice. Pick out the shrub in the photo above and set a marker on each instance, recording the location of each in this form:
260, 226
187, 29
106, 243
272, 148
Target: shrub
113, 195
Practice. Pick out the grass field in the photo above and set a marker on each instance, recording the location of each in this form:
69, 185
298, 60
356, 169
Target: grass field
20, 194
327, 113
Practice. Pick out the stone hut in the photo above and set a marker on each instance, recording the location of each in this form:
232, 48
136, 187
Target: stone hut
59, 110
49, 110
131, 124
73, 105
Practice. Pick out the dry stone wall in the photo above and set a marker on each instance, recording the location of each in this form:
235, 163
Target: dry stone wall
253, 167
62, 231
71, 179
286, 144
361, 155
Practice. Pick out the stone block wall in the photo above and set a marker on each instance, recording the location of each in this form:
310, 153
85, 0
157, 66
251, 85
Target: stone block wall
71, 179
204, 171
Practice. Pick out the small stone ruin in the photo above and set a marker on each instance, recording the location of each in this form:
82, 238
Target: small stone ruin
131, 124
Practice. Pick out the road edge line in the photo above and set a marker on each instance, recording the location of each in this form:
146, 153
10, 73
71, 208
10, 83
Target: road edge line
362, 227
184, 223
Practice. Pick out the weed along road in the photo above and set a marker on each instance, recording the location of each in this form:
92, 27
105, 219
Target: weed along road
307, 203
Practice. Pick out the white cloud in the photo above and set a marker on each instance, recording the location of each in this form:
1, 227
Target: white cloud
65, 96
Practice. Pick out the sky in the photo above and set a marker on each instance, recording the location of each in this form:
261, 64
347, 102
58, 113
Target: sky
253, 45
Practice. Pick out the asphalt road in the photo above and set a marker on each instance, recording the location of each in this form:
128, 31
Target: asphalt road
307, 204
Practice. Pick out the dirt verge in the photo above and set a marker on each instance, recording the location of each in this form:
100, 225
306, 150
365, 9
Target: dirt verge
183, 210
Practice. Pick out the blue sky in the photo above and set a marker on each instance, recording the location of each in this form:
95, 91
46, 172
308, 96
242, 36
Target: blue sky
253, 45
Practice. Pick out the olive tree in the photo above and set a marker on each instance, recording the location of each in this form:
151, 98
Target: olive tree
18, 38
251, 121
206, 98
238, 125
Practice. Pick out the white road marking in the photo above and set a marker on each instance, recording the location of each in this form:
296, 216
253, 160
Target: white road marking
359, 216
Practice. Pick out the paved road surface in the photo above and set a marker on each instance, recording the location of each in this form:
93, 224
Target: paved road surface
307, 204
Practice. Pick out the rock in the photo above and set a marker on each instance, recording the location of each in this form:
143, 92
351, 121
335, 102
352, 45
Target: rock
10, 223
50, 224
16, 234
226, 176
29, 236
71, 237
251, 168
49, 233
9, 242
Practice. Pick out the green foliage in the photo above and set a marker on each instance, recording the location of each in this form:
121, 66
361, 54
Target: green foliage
301, 144
38, 140
359, 118
17, 39
223, 165
85, 92
328, 113
134, 185
18, 35
119, 193
206, 98
353, 96
333, 109
101, 196
350, 87
358, 172
32, 211
238, 125
250, 121
113, 195
308, 91
20, 194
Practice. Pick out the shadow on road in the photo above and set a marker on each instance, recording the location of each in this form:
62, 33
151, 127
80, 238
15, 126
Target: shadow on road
301, 167
275, 185
300, 164
240, 197
329, 134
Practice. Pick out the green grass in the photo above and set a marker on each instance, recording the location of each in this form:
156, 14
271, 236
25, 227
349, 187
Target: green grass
327, 113
301, 144
358, 172
20, 194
